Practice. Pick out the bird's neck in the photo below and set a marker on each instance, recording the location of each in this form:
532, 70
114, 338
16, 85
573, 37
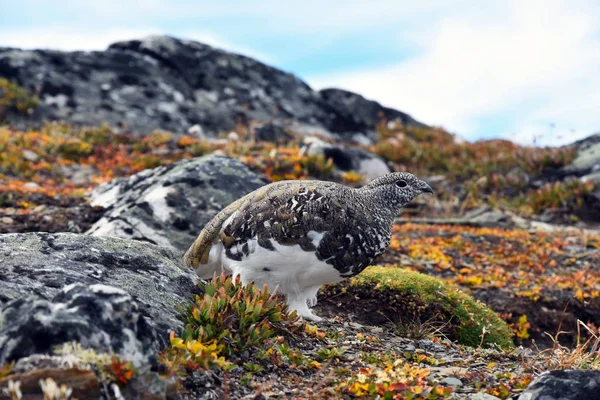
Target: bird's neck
382, 203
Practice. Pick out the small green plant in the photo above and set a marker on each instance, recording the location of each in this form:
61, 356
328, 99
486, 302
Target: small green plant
318, 166
252, 367
377, 359
15, 97
238, 317
192, 355
325, 354
283, 353
74, 149
228, 319
568, 194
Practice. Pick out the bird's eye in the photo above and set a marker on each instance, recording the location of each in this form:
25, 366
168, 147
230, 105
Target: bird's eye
401, 183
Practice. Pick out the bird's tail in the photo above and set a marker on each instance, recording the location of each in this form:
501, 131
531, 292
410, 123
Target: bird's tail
212, 264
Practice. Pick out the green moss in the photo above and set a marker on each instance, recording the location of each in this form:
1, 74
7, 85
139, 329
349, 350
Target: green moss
473, 323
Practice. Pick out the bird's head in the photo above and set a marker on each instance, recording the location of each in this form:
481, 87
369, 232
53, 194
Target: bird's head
396, 189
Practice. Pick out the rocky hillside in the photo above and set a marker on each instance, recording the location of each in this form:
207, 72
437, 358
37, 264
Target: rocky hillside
167, 83
95, 217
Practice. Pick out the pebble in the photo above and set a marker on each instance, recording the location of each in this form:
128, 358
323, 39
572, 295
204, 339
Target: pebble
31, 185
7, 220
452, 381
354, 325
30, 155
483, 396
377, 329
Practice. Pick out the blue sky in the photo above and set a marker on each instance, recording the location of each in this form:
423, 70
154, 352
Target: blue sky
517, 69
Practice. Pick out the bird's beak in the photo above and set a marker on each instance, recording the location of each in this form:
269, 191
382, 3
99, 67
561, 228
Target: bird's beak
425, 188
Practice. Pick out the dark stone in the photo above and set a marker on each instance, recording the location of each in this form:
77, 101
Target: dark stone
172, 84
170, 205
133, 279
271, 132
564, 385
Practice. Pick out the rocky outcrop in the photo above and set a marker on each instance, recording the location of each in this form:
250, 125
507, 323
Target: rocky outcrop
172, 84
104, 293
587, 160
353, 112
170, 205
564, 385
346, 158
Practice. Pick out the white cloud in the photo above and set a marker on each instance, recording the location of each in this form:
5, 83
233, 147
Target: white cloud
538, 59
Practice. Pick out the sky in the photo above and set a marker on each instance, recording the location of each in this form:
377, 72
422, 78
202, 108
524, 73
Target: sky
524, 70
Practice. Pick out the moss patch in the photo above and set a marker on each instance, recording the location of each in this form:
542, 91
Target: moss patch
390, 294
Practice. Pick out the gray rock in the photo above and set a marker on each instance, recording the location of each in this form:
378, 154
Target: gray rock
587, 161
271, 132
43, 266
347, 158
586, 166
564, 385
170, 205
100, 317
452, 381
167, 83
483, 396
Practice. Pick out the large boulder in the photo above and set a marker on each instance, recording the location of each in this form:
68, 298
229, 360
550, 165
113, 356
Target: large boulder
564, 385
163, 82
105, 293
170, 205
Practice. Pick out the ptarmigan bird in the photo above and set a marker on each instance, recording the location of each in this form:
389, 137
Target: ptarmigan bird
299, 235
